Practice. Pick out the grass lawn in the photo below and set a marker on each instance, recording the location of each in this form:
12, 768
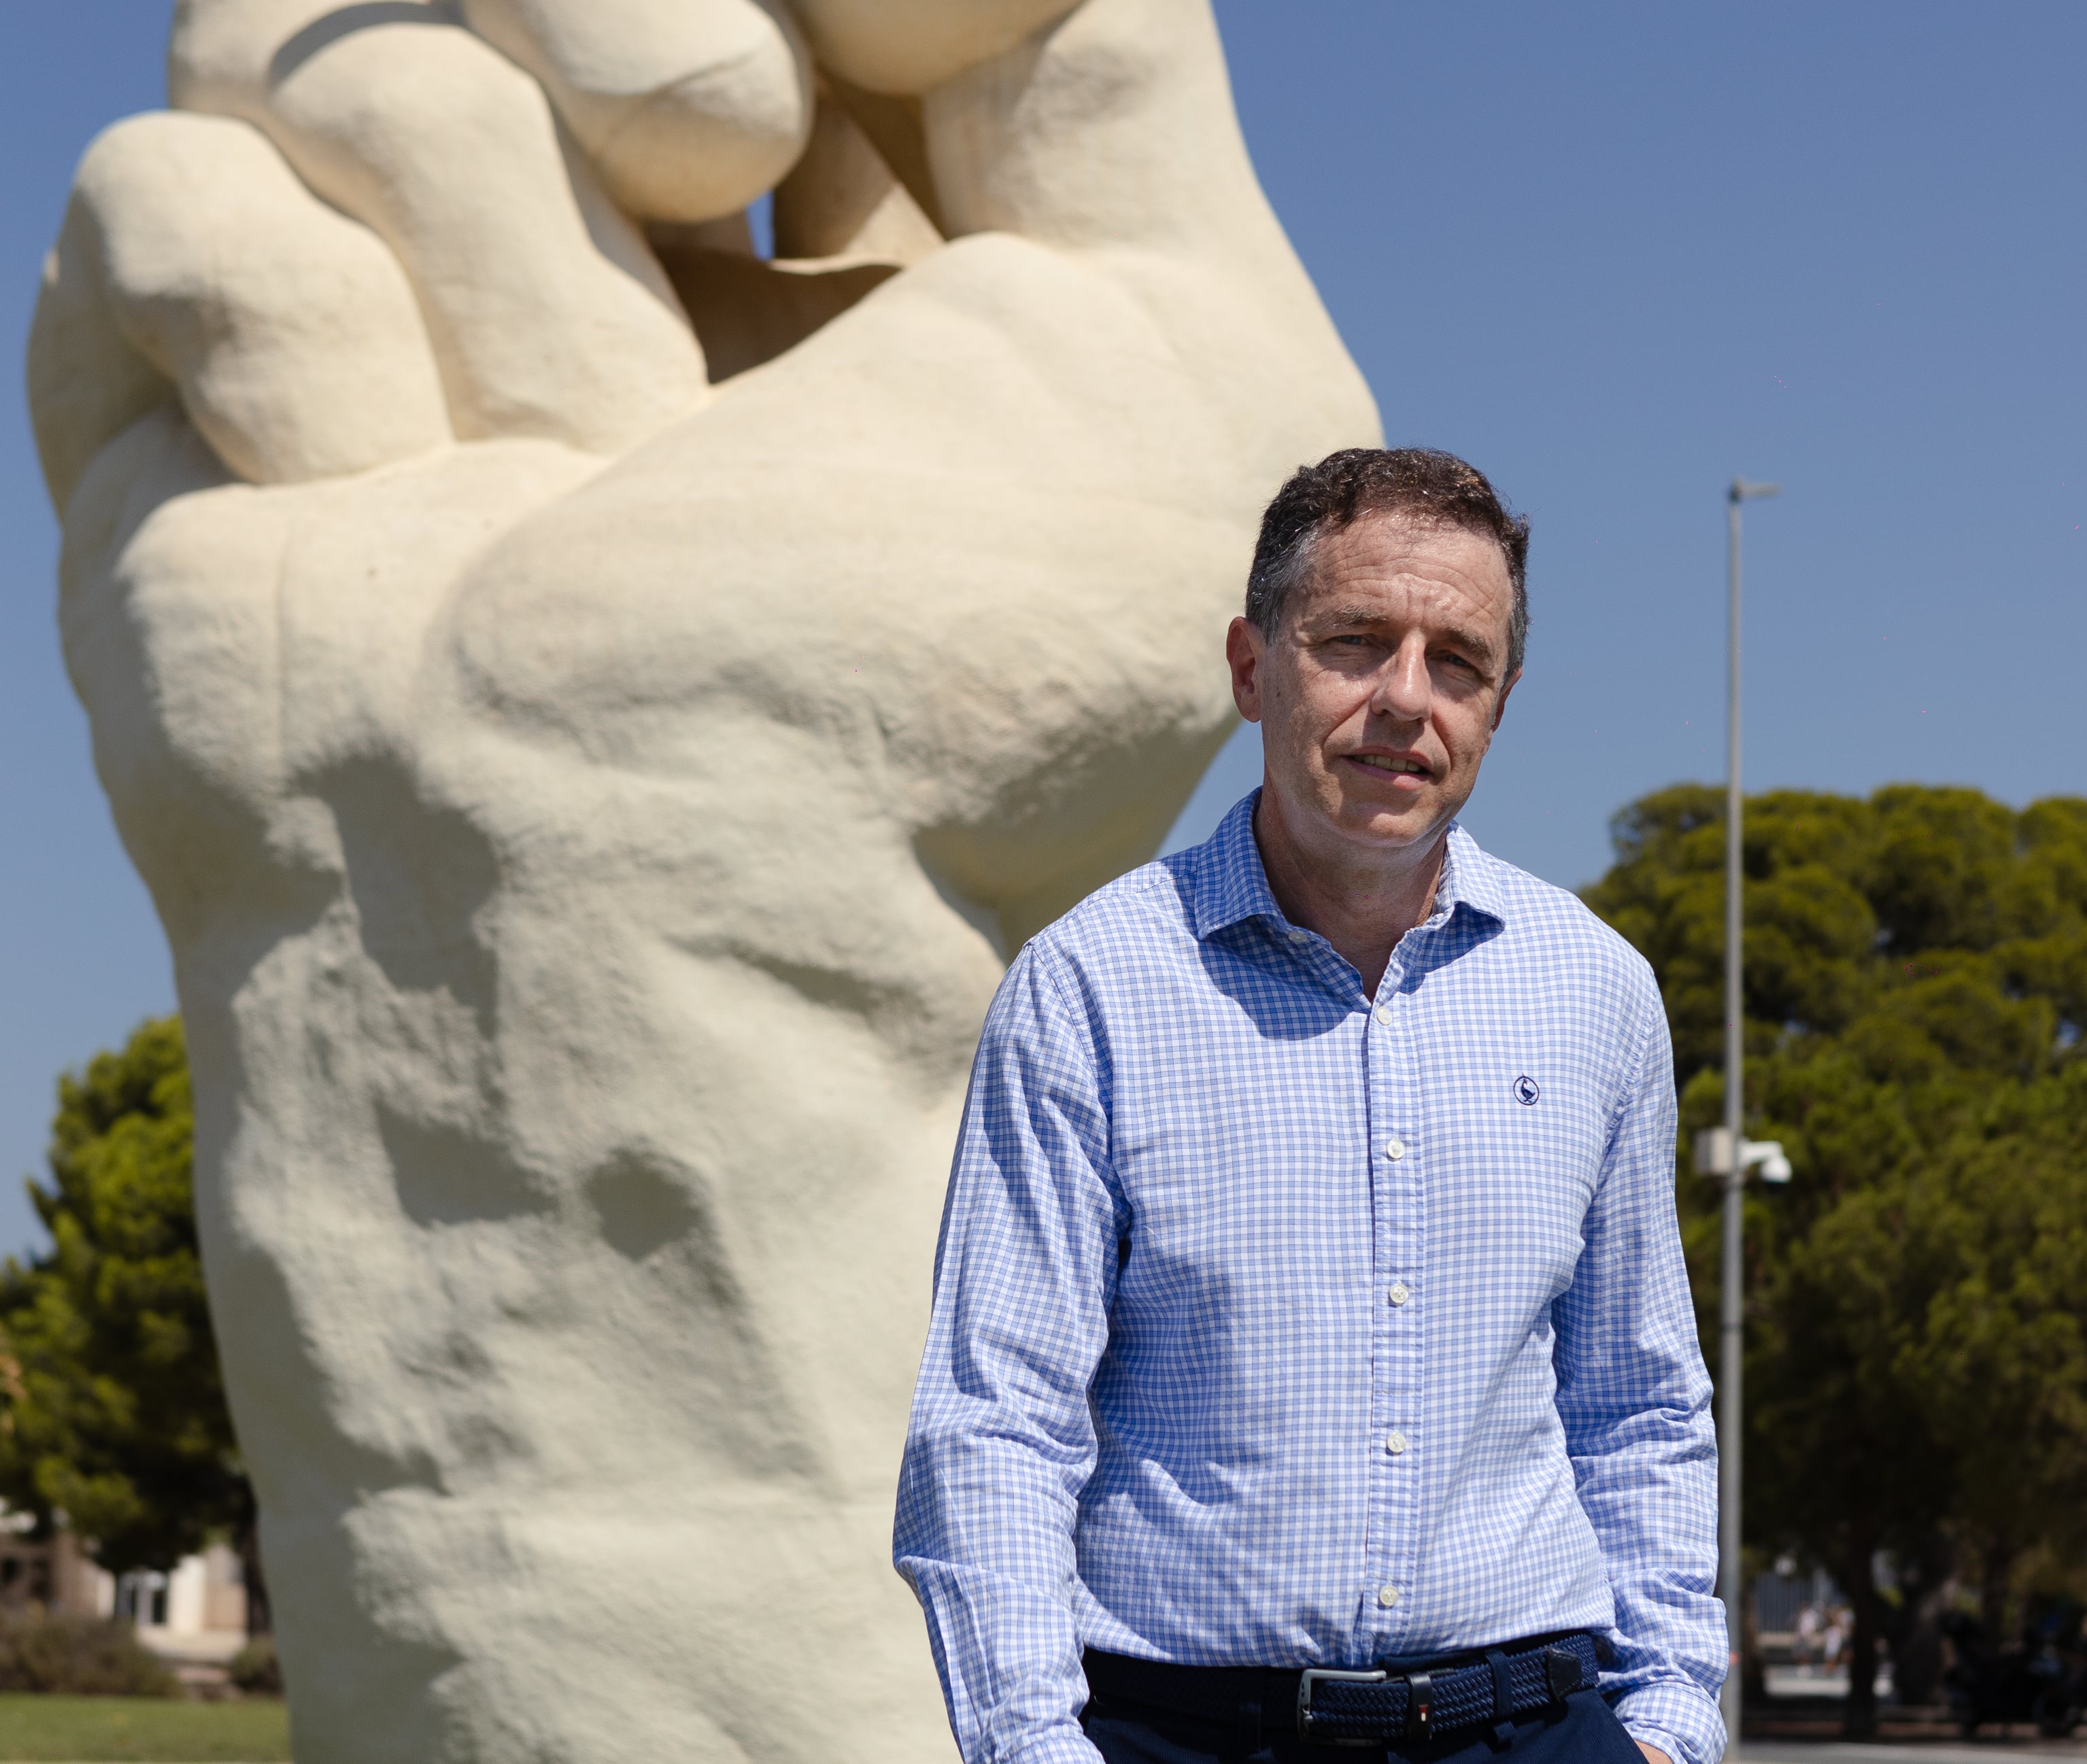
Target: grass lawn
102, 1730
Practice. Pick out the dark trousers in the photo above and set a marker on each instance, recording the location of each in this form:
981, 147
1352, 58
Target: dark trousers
1584, 1732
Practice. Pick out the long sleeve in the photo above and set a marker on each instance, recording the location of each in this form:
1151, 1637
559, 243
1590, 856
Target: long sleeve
1635, 1399
1001, 1441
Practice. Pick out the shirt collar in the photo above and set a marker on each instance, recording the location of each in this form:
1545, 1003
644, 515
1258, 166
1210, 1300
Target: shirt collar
1229, 883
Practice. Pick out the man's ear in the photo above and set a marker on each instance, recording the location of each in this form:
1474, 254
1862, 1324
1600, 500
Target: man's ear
1500, 710
1245, 650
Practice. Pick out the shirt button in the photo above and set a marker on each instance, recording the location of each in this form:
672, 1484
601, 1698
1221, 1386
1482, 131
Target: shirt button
1398, 1295
1298, 936
1387, 1596
1394, 1443
1383, 1016
1394, 1149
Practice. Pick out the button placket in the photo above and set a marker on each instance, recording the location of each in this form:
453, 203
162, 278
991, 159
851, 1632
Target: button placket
1396, 1363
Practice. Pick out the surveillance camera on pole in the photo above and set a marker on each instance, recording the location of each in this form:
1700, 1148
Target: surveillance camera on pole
1713, 1155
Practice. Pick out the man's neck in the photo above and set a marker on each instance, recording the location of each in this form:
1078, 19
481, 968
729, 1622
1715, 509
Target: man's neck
1363, 908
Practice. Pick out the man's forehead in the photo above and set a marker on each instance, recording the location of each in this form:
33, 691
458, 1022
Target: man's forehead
1375, 542
1385, 566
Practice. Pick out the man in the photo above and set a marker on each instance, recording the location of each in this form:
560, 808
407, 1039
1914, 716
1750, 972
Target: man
1309, 1294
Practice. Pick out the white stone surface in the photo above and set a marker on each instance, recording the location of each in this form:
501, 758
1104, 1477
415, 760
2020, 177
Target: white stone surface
591, 806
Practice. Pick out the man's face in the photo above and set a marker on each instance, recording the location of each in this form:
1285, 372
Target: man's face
1380, 692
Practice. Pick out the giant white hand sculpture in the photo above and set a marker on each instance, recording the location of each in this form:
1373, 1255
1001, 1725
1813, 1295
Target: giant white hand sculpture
590, 796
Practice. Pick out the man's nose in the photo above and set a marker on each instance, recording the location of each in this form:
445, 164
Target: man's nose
1405, 691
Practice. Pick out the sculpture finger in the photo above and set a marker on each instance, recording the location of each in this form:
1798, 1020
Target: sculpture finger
688, 108
905, 48
547, 313
844, 199
87, 384
288, 331
1112, 131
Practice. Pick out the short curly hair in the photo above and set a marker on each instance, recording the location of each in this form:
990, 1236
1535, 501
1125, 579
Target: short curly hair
1422, 483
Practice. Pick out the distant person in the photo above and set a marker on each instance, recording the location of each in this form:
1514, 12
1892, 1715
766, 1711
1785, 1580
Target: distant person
1836, 1635
1312, 1361
1807, 1647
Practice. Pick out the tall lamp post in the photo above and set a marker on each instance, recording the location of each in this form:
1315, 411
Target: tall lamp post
1725, 1151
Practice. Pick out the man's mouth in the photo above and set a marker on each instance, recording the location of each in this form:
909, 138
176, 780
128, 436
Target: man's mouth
1388, 762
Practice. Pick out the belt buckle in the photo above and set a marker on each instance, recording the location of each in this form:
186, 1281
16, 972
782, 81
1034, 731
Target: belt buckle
1315, 1675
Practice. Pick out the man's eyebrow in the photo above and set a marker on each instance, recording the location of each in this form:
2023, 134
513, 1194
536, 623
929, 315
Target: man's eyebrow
1355, 614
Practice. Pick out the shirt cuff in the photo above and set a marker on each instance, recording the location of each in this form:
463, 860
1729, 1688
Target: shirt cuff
1681, 1719
1058, 1744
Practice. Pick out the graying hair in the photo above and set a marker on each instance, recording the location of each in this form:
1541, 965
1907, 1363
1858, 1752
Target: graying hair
1423, 483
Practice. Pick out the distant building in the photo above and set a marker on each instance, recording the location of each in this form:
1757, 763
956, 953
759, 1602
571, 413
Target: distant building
56, 1573
195, 1615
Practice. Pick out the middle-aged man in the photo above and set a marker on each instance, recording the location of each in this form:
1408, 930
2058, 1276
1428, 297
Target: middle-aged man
1312, 1361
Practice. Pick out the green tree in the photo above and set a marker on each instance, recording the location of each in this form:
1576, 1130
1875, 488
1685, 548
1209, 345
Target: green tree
112, 1407
1915, 985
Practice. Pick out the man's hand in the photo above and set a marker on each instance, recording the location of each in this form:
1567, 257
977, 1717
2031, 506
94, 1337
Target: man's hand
1653, 1754
590, 765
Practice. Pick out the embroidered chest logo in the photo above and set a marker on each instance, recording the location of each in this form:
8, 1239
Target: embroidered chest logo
1525, 1091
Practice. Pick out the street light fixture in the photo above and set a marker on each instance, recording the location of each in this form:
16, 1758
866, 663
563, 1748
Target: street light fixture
1717, 1158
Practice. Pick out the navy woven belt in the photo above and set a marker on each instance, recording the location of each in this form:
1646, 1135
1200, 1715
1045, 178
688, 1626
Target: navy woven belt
1399, 1702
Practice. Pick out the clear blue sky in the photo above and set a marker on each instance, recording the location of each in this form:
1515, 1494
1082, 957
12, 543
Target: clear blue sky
1613, 255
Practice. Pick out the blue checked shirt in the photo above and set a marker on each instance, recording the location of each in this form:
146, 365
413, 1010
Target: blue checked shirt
1278, 1325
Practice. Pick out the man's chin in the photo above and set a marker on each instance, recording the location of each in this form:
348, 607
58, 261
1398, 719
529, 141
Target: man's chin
1363, 820
1393, 827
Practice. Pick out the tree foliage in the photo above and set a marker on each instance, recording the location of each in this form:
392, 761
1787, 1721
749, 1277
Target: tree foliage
1915, 986
112, 1407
